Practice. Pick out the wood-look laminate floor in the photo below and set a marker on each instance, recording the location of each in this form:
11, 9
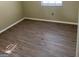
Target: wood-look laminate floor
40, 39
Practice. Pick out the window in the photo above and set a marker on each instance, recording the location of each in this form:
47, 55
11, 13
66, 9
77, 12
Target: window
51, 2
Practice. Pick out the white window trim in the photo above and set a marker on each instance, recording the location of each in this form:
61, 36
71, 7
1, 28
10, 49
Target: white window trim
50, 4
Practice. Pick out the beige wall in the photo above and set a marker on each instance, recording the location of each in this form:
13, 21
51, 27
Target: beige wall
10, 12
68, 12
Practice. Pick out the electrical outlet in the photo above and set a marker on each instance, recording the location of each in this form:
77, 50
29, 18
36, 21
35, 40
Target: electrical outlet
52, 14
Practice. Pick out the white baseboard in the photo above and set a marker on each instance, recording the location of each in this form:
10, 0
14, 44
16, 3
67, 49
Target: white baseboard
72, 23
11, 25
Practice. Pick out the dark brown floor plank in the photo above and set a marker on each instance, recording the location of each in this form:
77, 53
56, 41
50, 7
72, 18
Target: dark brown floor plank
40, 39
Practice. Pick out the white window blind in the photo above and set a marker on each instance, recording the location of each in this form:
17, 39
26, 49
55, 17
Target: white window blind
52, 2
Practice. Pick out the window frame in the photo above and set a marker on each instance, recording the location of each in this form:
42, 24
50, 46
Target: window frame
48, 3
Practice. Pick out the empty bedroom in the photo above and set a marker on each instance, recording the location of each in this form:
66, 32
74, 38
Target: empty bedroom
46, 28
